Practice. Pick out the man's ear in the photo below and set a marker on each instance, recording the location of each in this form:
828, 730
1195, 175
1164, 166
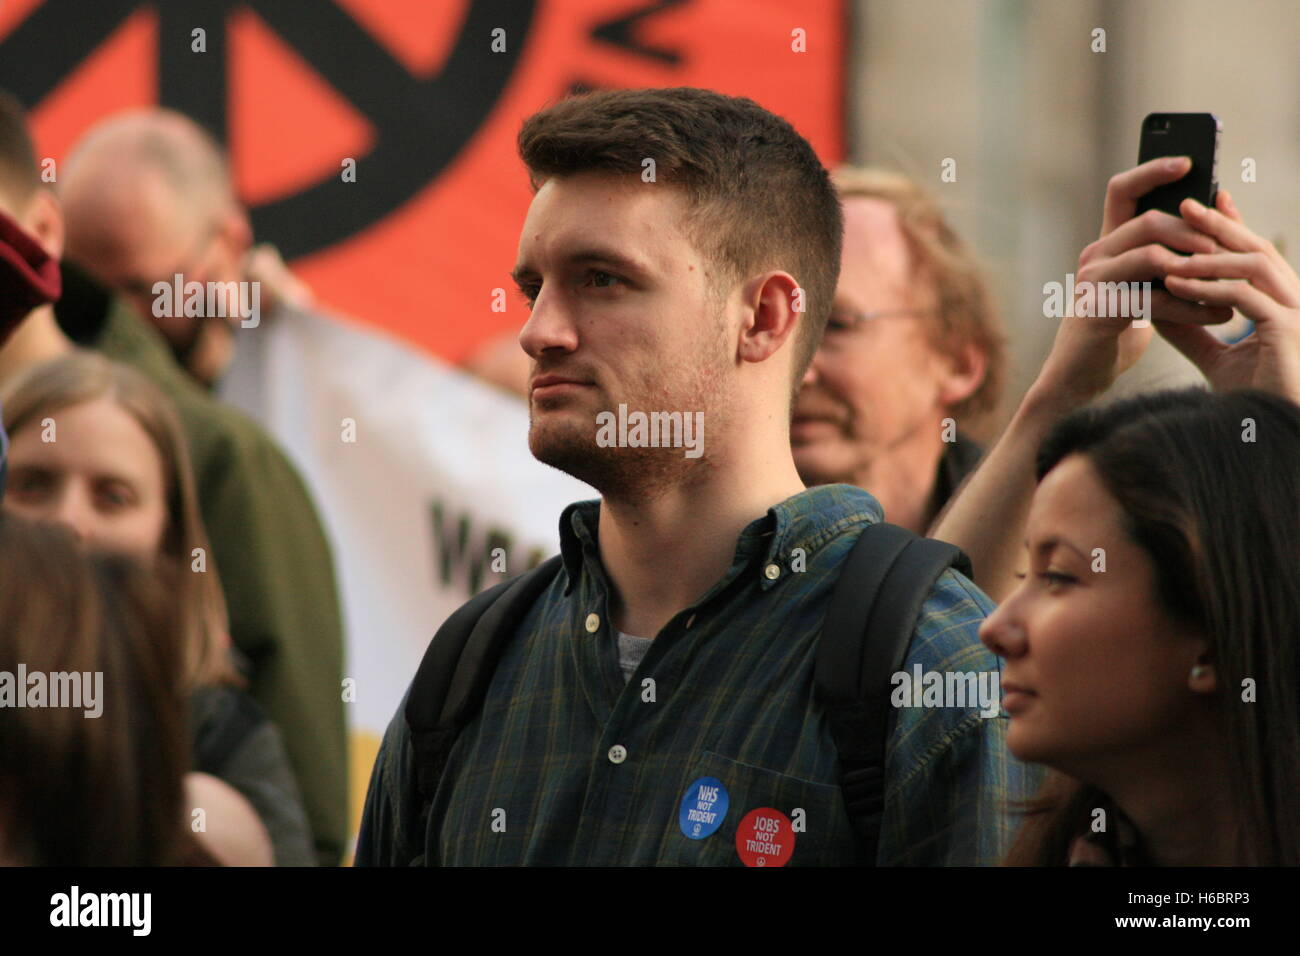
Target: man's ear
961, 374
43, 219
775, 305
235, 234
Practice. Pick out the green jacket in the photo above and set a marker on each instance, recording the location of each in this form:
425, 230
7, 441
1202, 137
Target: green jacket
270, 550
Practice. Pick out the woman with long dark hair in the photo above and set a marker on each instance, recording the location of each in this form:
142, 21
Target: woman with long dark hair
1150, 653
104, 791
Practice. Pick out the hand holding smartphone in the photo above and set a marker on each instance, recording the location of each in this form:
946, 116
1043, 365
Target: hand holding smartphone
1195, 135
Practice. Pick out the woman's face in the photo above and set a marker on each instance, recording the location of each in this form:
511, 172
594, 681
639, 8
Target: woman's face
1093, 667
101, 475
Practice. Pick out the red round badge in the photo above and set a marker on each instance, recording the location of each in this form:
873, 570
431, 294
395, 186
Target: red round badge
765, 838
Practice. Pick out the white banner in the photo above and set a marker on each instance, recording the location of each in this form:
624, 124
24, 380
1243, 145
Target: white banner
419, 471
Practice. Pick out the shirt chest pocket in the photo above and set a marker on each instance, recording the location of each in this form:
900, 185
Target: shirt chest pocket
809, 828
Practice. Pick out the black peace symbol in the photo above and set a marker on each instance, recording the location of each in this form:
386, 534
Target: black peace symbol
420, 124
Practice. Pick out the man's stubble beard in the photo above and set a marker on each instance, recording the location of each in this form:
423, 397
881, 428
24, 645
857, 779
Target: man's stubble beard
636, 474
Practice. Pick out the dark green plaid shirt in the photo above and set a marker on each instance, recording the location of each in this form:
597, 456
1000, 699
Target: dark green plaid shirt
569, 765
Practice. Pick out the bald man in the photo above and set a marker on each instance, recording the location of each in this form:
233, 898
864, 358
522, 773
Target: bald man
147, 197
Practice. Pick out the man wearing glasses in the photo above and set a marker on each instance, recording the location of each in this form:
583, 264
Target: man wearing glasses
148, 197
911, 357
203, 344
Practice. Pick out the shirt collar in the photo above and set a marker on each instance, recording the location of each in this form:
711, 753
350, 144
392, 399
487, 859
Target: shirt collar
804, 522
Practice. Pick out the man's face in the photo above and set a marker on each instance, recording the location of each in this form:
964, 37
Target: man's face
872, 386
131, 237
622, 314
37, 213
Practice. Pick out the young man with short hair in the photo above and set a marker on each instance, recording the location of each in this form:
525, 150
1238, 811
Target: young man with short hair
680, 256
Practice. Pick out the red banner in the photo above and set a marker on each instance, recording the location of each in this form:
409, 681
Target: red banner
414, 93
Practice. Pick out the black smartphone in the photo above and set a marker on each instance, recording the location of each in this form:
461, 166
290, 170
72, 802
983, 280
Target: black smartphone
1182, 134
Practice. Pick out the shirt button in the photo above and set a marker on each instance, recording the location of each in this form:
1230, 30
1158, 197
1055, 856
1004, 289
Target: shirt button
772, 572
617, 753
593, 623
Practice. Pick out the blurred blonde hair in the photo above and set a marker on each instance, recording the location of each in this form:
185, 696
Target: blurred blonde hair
86, 376
964, 304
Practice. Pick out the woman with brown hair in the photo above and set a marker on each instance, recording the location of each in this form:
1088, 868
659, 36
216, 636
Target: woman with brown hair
95, 447
98, 783
1150, 654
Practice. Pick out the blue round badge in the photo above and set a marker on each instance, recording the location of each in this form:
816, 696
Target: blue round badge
704, 807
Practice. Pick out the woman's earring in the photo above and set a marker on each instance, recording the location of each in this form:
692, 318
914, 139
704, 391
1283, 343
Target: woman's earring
1199, 671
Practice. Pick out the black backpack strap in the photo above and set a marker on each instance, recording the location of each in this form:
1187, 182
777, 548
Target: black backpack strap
458, 665
885, 579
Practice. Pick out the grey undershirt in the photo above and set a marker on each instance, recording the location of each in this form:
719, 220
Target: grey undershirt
630, 651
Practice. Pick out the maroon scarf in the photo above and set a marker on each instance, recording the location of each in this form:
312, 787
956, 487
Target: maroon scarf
29, 276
